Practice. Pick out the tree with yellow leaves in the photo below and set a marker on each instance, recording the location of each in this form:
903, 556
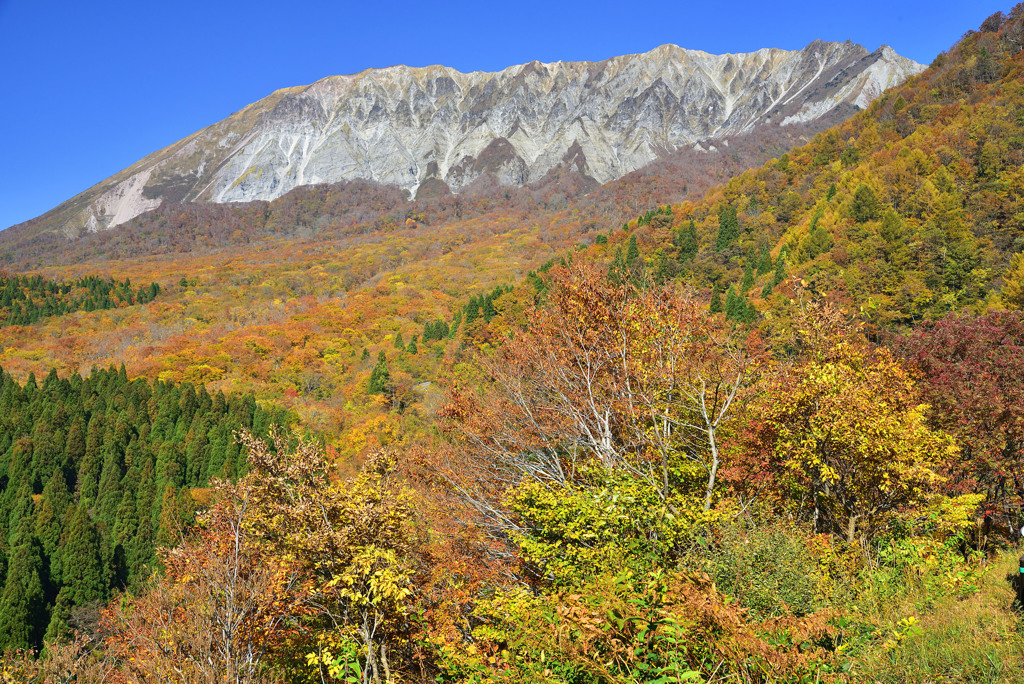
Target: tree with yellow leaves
1013, 283
844, 432
221, 611
354, 538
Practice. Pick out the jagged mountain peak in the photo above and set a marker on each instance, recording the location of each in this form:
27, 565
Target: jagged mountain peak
404, 125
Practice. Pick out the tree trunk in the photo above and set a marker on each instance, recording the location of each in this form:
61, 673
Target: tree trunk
851, 529
714, 469
370, 674
384, 661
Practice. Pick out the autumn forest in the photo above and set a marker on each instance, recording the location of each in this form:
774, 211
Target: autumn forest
752, 421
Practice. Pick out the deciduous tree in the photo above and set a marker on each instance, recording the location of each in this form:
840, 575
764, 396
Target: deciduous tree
640, 382
972, 379
846, 430
354, 538
222, 608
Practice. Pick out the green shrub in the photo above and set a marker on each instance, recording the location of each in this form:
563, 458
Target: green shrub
771, 571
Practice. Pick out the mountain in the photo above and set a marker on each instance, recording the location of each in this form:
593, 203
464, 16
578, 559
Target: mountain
911, 210
436, 130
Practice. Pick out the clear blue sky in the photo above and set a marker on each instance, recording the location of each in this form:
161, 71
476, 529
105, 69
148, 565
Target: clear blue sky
89, 88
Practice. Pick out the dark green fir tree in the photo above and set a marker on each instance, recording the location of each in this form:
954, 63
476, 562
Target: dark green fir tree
716, 300
380, 376
734, 305
780, 272
728, 228
632, 252
23, 614
83, 574
748, 277
687, 242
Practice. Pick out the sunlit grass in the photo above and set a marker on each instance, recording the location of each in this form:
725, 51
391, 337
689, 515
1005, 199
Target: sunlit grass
977, 639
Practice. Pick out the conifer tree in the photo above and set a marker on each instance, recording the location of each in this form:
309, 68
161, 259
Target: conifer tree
748, 277
472, 311
20, 465
399, 342
170, 470
47, 448
380, 376
176, 512
764, 264
74, 445
687, 242
488, 309
817, 241
632, 252
617, 268
780, 272
51, 518
21, 507
23, 601
750, 312
197, 451
716, 300
437, 331
81, 561
891, 230
126, 522
662, 272
58, 628
865, 204
106, 466
728, 228
90, 465
48, 526
140, 552
734, 305
110, 491
218, 451
145, 497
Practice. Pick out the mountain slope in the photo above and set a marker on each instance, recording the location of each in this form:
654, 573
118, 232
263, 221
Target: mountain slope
910, 210
409, 127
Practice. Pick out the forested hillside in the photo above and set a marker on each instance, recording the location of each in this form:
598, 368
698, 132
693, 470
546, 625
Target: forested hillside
24, 300
96, 474
908, 211
775, 434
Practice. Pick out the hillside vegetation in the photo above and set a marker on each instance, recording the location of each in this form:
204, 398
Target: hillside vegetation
907, 211
775, 434
97, 473
24, 300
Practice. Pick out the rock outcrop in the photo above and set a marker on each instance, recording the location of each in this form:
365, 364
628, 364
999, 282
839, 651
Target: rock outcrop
434, 126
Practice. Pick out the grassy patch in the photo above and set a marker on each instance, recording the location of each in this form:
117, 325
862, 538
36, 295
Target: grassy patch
977, 639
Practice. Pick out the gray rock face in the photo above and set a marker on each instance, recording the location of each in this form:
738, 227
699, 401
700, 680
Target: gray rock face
406, 126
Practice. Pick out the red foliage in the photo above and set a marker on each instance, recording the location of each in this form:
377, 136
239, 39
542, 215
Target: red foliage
973, 379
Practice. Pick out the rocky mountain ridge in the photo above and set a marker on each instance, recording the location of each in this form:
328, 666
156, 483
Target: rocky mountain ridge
438, 128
